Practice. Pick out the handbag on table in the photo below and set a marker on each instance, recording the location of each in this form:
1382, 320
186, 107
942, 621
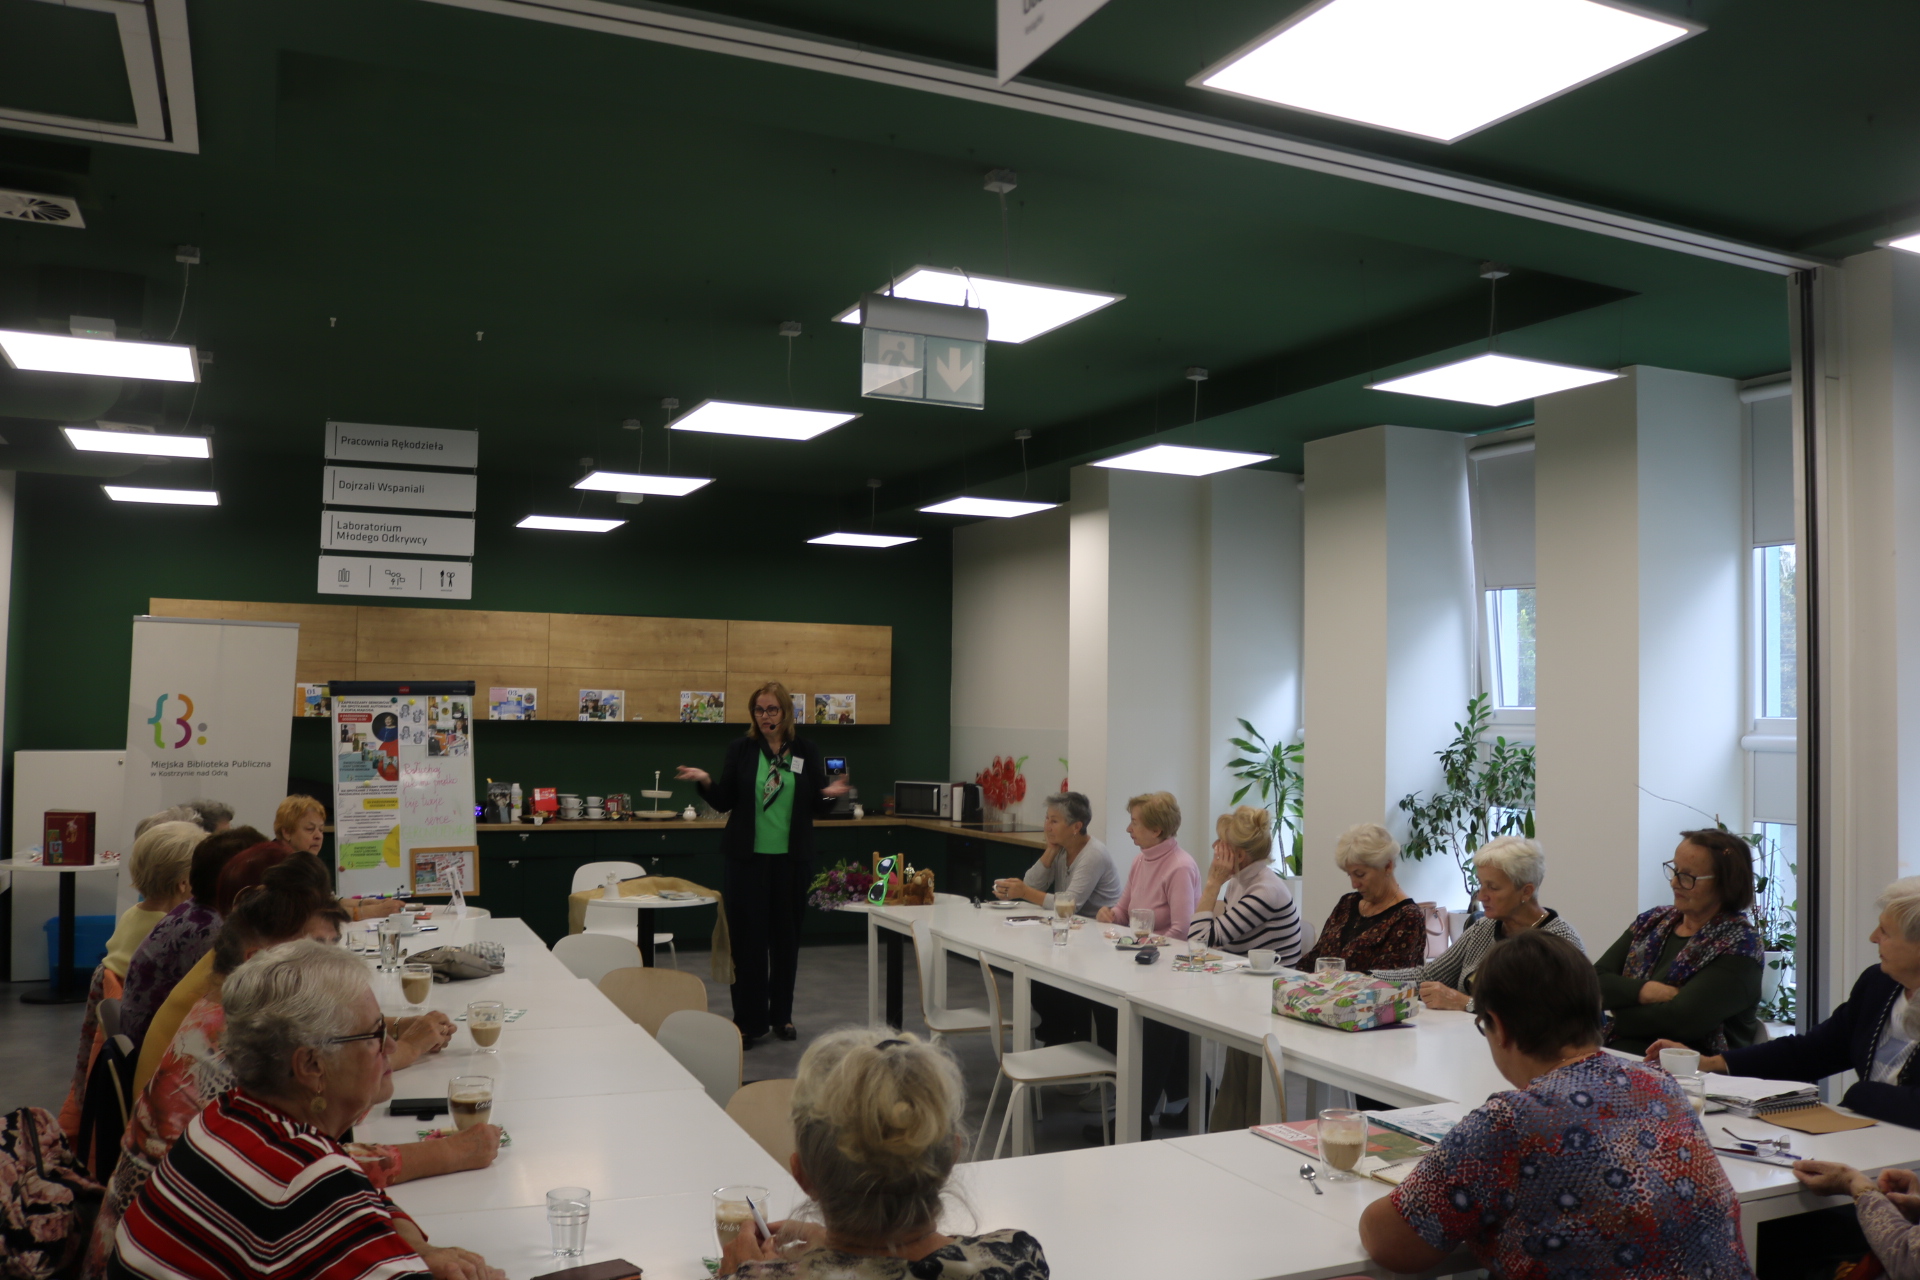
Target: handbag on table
1345, 1002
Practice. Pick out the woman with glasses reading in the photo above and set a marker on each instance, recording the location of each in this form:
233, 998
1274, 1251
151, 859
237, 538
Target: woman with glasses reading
771, 785
1689, 973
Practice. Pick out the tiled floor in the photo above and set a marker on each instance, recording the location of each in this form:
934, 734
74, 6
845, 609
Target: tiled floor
38, 1044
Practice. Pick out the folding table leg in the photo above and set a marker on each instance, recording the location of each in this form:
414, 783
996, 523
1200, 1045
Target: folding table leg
1126, 1108
873, 971
1022, 1039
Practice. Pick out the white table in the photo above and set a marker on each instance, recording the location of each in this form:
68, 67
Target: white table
61, 989
549, 1002
643, 906
558, 1062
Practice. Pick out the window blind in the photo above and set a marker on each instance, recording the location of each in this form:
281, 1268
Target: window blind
1503, 515
1772, 469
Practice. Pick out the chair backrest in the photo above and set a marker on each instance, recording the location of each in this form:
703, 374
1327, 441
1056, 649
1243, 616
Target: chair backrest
108, 1011
1275, 1060
649, 995
594, 955
923, 963
708, 1045
594, 874
993, 1004
765, 1110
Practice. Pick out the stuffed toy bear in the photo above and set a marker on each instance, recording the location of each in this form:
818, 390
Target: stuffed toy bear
918, 891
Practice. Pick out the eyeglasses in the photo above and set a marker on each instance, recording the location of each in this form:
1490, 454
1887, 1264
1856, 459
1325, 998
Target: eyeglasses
1682, 879
1480, 1023
378, 1033
766, 711
877, 891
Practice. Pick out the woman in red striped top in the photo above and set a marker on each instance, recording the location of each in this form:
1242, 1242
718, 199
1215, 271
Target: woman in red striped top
259, 1185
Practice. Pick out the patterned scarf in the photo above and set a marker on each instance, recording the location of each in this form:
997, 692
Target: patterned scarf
1725, 936
777, 766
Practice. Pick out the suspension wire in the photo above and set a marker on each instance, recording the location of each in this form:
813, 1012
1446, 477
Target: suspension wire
1006, 238
186, 282
1493, 308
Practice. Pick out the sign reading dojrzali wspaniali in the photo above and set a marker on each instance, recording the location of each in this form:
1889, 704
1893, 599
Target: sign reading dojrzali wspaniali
360, 576
412, 490
419, 535
421, 446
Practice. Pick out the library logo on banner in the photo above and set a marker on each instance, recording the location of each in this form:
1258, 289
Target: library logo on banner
160, 723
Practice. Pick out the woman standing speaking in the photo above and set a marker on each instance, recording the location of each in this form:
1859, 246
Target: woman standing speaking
770, 786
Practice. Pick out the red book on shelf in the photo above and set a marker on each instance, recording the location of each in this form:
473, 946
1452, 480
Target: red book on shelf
546, 799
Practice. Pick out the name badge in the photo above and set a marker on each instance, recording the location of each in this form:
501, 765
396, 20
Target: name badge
798, 764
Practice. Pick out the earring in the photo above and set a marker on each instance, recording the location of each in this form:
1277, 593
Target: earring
319, 1103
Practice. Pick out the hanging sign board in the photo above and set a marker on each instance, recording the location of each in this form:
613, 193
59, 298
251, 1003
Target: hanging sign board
415, 579
421, 446
1028, 28
420, 535
410, 490
928, 352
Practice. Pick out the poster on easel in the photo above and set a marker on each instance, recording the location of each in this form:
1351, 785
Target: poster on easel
438, 872
403, 777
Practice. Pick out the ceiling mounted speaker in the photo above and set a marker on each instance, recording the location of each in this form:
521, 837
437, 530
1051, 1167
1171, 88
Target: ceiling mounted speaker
31, 206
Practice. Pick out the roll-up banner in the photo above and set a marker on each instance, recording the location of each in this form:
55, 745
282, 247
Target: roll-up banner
207, 717
402, 778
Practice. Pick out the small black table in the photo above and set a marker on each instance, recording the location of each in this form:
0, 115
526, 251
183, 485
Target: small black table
61, 989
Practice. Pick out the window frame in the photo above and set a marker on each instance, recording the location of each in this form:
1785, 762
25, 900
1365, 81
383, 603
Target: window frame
1511, 722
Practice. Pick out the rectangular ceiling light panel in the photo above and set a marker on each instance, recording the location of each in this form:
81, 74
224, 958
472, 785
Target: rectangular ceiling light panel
1439, 69
726, 418
101, 357
860, 540
148, 445
570, 524
1494, 380
628, 482
1183, 460
987, 507
1017, 310
172, 497
1910, 243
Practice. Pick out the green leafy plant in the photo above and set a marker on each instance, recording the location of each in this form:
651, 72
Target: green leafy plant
1275, 769
1487, 792
1776, 917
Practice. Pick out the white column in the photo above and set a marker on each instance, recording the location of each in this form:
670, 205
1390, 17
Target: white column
1388, 638
1640, 666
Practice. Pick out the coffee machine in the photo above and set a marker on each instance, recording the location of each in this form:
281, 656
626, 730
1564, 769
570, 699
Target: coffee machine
842, 806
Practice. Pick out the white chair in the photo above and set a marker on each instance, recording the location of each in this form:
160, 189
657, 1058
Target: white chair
942, 1021
1076, 1063
594, 955
651, 996
707, 1045
617, 921
1276, 1071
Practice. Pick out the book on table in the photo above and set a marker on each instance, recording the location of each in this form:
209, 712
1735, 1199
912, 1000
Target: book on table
1752, 1096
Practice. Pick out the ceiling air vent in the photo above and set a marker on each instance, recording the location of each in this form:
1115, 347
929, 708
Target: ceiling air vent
30, 206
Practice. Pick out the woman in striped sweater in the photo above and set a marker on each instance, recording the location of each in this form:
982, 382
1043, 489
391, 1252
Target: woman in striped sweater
1510, 870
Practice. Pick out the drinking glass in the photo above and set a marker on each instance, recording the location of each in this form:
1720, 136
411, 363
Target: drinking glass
392, 929
567, 1210
1142, 922
1330, 965
1343, 1140
470, 1098
1063, 905
1062, 929
1695, 1087
416, 983
484, 1020
733, 1211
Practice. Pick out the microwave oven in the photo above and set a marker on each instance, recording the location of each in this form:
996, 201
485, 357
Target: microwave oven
922, 800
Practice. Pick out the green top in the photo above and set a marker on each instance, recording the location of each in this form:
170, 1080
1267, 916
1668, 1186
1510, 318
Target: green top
1724, 994
771, 822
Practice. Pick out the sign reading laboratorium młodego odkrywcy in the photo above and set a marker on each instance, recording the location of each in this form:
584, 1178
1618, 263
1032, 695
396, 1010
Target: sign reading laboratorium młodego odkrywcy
375, 511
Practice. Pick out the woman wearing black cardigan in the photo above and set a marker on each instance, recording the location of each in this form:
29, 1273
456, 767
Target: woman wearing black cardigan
770, 787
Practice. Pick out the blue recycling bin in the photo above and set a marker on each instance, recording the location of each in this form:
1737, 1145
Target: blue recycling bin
90, 936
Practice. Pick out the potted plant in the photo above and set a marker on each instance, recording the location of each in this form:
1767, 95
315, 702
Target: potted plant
1487, 791
1002, 786
1775, 916
1275, 769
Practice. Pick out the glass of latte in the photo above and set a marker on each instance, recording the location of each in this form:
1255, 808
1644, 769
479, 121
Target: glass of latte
470, 1098
416, 981
484, 1020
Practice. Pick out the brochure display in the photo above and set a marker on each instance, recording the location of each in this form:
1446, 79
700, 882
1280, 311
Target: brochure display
403, 778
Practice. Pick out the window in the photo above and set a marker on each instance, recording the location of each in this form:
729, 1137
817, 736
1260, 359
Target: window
1777, 658
1510, 647
1502, 507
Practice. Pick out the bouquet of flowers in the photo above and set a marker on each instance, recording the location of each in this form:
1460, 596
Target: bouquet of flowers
1002, 785
838, 885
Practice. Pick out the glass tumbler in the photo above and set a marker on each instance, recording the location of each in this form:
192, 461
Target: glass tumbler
1343, 1140
1062, 930
1063, 905
567, 1210
484, 1020
1330, 965
733, 1212
416, 984
1142, 922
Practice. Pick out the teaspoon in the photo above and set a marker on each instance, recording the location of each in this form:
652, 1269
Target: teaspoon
1306, 1171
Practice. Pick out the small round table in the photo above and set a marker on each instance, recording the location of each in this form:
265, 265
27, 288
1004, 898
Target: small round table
643, 906
60, 988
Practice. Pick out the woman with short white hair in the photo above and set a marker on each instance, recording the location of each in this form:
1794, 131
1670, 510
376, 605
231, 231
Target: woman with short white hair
1377, 926
1510, 869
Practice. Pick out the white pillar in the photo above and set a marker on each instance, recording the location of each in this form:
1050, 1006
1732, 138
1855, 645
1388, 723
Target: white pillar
1640, 641
1388, 647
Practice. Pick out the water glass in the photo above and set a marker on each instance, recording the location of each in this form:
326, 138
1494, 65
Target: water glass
733, 1211
1695, 1087
567, 1210
1063, 905
392, 930
1142, 922
1330, 966
1062, 929
1343, 1140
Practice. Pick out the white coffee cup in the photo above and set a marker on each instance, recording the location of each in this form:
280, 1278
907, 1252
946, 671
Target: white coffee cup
1680, 1062
1262, 961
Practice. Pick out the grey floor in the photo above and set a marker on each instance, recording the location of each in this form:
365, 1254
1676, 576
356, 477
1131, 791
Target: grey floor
38, 1044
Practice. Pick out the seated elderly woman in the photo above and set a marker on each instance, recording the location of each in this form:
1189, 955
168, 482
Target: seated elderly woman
877, 1127
1593, 1165
300, 823
1871, 1035
1510, 869
1689, 972
194, 1070
1377, 926
1073, 863
308, 1050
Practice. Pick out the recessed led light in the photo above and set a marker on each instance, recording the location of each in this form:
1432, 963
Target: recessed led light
152, 446
726, 418
569, 524
1494, 380
1438, 68
627, 482
102, 357
859, 540
173, 497
1184, 460
986, 507
1017, 310
1911, 243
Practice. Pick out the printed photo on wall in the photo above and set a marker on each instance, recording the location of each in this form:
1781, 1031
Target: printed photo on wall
833, 708
312, 700
698, 706
511, 703
799, 708
602, 704
447, 728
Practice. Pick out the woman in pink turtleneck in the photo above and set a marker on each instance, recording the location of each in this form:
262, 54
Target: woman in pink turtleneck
1164, 878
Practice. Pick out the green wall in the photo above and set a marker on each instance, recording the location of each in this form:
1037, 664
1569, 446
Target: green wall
83, 566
